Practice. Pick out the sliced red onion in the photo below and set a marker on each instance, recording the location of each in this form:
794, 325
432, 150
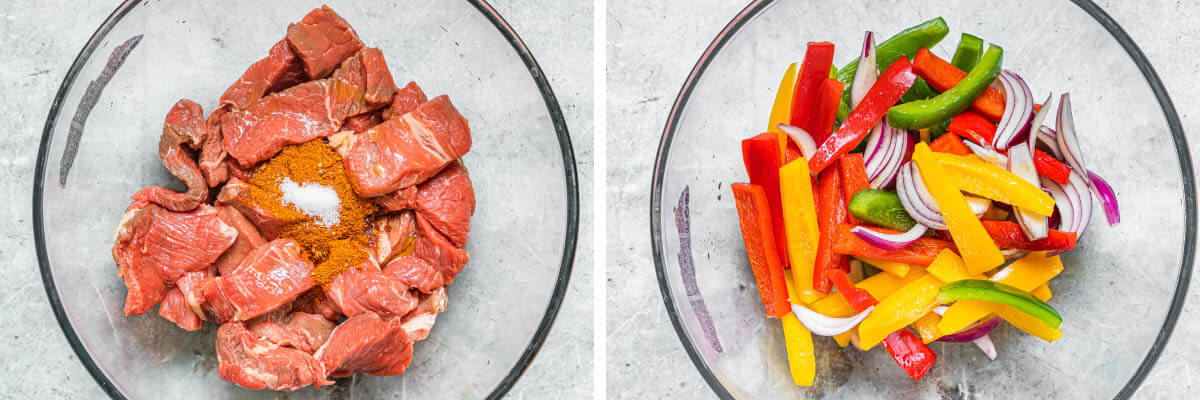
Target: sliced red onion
1074, 203
803, 140
828, 326
1018, 108
972, 332
1013, 254
1107, 197
1067, 140
1049, 138
902, 147
1020, 163
874, 143
883, 160
912, 202
866, 73
986, 344
890, 241
991, 156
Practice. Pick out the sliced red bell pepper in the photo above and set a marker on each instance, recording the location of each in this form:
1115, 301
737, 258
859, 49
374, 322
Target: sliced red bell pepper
762, 159
755, 220
832, 212
886, 91
921, 252
910, 353
950, 144
973, 126
1008, 235
943, 75
1051, 168
829, 97
818, 60
859, 299
854, 175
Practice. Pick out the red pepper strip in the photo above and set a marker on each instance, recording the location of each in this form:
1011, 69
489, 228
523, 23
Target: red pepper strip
950, 144
886, 91
755, 221
910, 352
854, 179
818, 60
832, 212
762, 159
859, 299
973, 126
793, 151
1051, 168
825, 113
920, 253
942, 76
1008, 235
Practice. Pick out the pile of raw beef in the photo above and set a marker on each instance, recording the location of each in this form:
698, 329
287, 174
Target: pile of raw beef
208, 254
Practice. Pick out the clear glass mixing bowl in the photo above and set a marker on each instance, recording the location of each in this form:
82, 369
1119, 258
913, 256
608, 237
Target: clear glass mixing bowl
1122, 288
522, 243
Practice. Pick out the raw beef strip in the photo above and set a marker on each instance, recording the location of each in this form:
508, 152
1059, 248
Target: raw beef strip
214, 162
350, 89
322, 40
268, 277
279, 70
295, 115
404, 151
366, 343
405, 100
174, 308
361, 122
183, 133
249, 361
248, 239
447, 201
236, 193
420, 320
153, 247
434, 262
380, 85
394, 236
366, 289
298, 330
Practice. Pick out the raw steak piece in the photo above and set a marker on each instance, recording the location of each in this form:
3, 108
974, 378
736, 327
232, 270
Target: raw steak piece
192, 285
295, 115
405, 100
394, 236
174, 308
314, 302
255, 363
268, 277
366, 289
214, 162
183, 133
447, 201
434, 262
248, 239
420, 320
366, 343
153, 247
236, 193
403, 199
298, 330
361, 122
322, 39
380, 85
354, 90
279, 70
404, 151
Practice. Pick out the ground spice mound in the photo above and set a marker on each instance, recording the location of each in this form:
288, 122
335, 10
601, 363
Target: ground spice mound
334, 248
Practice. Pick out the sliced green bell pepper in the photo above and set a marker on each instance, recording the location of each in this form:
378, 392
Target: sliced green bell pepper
996, 292
967, 55
930, 112
905, 43
881, 208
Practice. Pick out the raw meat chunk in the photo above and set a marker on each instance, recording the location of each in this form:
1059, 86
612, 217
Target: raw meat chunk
322, 39
434, 262
420, 320
236, 193
248, 239
447, 201
407, 150
292, 116
403, 199
394, 236
367, 289
183, 133
350, 90
405, 100
361, 122
214, 162
279, 70
369, 344
192, 285
270, 276
174, 308
298, 330
380, 86
255, 363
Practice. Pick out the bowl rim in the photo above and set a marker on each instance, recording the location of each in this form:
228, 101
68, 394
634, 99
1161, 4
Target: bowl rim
1127, 43
566, 263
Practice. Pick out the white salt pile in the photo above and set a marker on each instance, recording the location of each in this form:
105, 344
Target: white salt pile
318, 201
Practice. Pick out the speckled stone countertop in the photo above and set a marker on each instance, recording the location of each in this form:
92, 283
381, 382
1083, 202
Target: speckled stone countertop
39, 43
645, 358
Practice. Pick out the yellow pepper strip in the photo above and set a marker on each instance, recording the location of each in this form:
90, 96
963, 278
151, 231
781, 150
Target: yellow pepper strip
974, 243
987, 180
904, 307
1028, 323
781, 111
1042, 292
896, 269
800, 224
843, 339
799, 344
1026, 274
949, 267
879, 286
927, 327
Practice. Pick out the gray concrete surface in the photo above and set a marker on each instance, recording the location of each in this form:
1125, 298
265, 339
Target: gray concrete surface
39, 42
651, 48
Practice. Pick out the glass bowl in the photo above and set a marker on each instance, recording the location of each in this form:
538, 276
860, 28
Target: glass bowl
1120, 293
522, 243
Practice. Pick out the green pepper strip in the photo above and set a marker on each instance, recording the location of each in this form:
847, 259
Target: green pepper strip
905, 43
930, 112
967, 55
996, 292
881, 208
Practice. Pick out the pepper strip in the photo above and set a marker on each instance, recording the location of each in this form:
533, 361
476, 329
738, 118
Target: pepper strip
906, 305
1028, 323
1042, 292
903, 44
755, 221
1051, 168
781, 111
973, 126
944, 76
972, 175
818, 60
761, 156
1008, 235
858, 298
1026, 274
927, 327
800, 221
921, 253
950, 144
887, 89
879, 286
825, 111
854, 175
999, 293
970, 47
954, 100
832, 211
913, 356
973, 242
797, 341
895, 268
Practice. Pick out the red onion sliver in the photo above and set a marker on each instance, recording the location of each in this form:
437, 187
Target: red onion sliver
1020, 163
913, 204
972, 332
1018, 108
827, 326
803, 140
1049, 138
866, 73
890, 241
1067, 141
1108, 198
989, 155
986, 344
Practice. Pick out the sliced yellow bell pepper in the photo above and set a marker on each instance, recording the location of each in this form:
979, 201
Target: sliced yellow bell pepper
904, 307
799, 344
927, 328
987, 180
880, 286
781, 111
1028, 323
897, 269
800, 224
974, 242
949, 267
1042, 292
1026, 274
